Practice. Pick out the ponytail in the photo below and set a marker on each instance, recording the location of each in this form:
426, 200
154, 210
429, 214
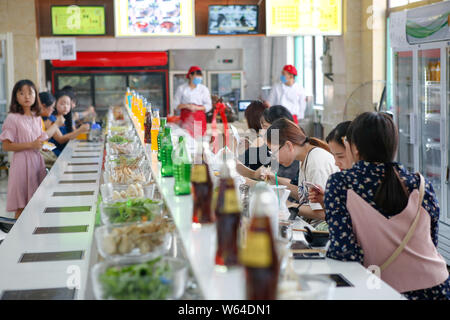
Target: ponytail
289, 131
376, 138
318, 143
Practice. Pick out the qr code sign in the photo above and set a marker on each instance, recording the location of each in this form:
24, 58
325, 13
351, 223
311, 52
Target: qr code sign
68, 49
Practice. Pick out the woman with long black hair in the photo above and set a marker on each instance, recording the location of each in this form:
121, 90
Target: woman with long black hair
383, 216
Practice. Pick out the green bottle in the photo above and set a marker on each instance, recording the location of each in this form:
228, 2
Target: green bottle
166, 154
181, 168
161, 135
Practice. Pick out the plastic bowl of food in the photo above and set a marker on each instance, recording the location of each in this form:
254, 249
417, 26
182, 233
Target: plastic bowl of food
306, 287
316, 238
126, 174
163, 278
132, 210
117, 192
150, 240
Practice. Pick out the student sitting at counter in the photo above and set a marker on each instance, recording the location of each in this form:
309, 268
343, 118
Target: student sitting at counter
22, 133
257, 154
51, 124
72, 117
317, 164
335, 140
373, 208
63, 134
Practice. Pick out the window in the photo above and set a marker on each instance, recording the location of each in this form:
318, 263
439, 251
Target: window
307, 52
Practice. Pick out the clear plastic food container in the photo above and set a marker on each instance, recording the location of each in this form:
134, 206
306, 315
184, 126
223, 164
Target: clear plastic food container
125, 175
133, 146
164, 280
118, 192
133, 210
119, 241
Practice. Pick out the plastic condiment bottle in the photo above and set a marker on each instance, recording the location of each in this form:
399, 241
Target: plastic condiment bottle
228, 218
155, 130
258, 254
181, 168
166, 154
161, 133
202, 187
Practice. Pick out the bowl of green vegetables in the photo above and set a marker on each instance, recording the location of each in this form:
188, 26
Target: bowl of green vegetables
163, 278
132, 210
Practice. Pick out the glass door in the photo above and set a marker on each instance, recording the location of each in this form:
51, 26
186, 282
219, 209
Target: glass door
177, 78
109, 90
404, 107
82, 85
228, 85
152, 86
430, 113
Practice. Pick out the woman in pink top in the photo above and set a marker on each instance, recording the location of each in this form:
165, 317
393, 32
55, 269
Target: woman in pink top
22, 133
371, 207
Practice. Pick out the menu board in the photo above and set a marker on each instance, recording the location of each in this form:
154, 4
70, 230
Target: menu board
78, 20
154, 18
303, 17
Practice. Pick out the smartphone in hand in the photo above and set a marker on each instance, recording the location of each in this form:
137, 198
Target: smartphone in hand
312, 186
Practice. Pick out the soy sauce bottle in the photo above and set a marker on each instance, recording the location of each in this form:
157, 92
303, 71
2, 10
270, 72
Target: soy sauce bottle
148, 126
228, 219
202, 188
166, 154
259, 255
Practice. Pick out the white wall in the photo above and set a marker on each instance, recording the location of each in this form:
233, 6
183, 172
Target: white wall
256, 52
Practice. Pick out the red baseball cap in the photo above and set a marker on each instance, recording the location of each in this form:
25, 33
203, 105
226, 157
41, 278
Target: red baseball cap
193, 69
291, 69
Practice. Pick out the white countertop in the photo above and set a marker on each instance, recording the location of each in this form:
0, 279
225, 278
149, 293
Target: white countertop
200, 245
20, 239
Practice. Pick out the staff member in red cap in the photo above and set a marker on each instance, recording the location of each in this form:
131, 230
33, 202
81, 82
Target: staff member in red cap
289, 93
193, 100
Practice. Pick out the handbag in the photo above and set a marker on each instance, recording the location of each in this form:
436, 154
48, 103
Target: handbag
411, 230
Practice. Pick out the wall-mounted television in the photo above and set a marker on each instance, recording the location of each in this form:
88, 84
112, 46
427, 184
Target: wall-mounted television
233, 19
78, 20
144, 18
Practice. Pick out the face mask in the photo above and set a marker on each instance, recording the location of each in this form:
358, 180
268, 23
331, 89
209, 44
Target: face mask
197, 81
283, 78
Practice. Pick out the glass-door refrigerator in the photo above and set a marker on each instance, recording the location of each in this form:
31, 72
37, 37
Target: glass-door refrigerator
101, 79
421, 105
228, 85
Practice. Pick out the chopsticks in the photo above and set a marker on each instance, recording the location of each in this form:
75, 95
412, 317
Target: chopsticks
303, 230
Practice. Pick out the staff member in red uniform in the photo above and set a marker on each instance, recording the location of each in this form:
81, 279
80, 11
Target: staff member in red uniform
193, 100
289, 94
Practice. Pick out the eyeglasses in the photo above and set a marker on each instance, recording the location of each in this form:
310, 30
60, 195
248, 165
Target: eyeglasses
273, 154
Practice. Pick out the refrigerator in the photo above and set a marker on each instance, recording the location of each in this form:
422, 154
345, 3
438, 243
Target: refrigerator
421, 105
101, 79
222, 72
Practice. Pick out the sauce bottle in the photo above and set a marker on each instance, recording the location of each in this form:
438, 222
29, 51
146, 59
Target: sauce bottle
228, 215
155, 130
181, 168
166, 153
148, 125
258, 254
161, 133
202, 188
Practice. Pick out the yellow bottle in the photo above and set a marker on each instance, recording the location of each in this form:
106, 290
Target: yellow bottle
155, 130
438, 71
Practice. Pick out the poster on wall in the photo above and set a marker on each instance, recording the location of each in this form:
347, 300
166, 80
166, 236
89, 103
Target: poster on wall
303, 17
136, 18
428, 24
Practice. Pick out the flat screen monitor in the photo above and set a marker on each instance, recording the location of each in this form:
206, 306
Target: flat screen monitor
240, 19
243, 104
147, 18
78, 20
